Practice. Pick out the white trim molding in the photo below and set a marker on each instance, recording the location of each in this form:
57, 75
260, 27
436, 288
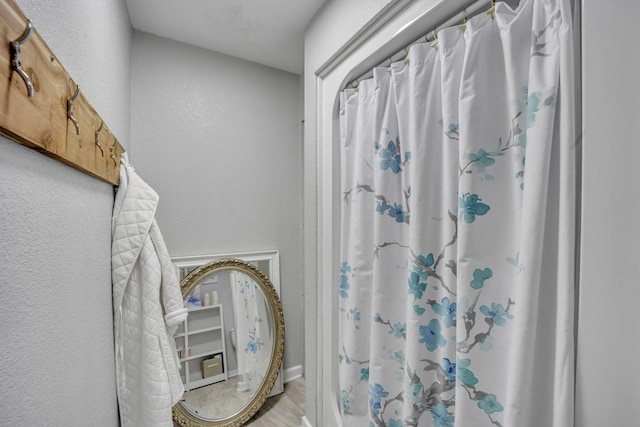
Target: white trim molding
305, 422
292, 373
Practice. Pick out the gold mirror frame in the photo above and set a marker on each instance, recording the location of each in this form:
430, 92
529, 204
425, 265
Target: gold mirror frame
184, 418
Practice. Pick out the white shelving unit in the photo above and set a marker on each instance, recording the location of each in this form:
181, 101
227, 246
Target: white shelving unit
202, 334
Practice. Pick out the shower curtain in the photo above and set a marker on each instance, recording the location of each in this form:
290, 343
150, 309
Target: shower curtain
254, 340
456, 286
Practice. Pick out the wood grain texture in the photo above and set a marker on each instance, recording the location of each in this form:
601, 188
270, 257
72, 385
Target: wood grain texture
41, 122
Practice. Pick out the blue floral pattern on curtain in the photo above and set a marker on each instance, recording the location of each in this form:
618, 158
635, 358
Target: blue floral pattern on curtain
458, 227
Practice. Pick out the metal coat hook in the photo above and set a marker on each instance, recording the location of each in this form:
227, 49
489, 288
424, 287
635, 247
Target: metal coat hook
98, 138
16, 56
70, 110
113, 153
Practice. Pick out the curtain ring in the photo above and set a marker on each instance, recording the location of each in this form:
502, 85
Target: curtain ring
492, 11
434, 43
463, 27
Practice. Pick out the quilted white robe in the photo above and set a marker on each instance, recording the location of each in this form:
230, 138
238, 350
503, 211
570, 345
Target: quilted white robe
148, 308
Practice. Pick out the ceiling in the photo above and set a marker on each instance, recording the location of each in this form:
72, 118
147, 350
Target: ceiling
269, 32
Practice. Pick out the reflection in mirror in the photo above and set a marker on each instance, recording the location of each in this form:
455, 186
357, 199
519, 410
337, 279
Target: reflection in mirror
231, 345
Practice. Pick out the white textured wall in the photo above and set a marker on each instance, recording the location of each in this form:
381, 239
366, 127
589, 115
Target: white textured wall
219, 139
56, 359
607, 390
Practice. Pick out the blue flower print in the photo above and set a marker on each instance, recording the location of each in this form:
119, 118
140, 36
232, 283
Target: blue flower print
413, 392
496, 313
398, 330
398, 356
377, 317
344, 286
515, 261
355, 314
453, 131
344, 279
398, 213
418, 310
487, 343
465, 376
382, 207
345, 400
479, 276
446, 310
423, 261
449, 369
252, 347
483, 159
395, 423
376, 394
346, 268
471, 207
441, 417
489, 404
532, 108
530, 104
364, 374
390, 158
431, 336
416, 288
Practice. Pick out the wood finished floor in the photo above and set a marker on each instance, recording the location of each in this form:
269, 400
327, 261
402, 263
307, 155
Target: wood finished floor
283, 410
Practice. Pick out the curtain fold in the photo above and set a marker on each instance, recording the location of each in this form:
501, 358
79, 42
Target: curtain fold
458, 228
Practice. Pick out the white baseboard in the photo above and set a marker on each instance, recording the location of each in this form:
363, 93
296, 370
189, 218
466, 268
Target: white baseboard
292, 373
305, 422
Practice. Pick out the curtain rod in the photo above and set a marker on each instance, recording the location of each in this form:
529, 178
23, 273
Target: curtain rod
458, 18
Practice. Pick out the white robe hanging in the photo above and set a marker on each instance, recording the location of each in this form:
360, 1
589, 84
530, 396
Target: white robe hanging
147, 305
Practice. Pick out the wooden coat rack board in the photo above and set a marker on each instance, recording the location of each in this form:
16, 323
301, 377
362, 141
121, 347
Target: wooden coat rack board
56, 120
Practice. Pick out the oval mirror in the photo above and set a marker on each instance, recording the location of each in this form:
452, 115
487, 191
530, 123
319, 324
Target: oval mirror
228, 377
